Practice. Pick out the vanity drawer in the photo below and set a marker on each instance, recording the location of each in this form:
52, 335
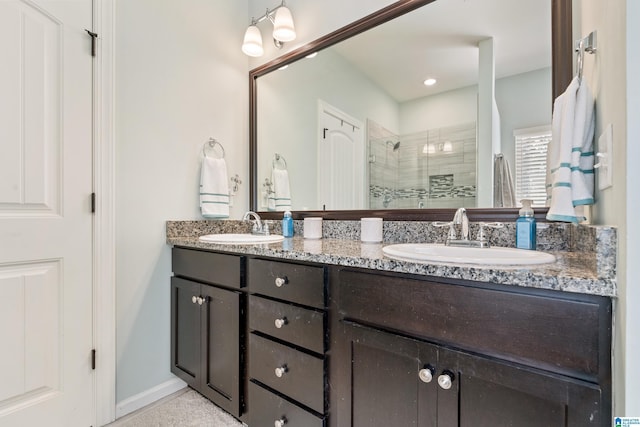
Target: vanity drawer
209, 267
297, 283
265, 408
297, 325
555, 331
303, 379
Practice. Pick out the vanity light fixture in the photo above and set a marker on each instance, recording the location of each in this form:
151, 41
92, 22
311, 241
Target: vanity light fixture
283, 30
429, 82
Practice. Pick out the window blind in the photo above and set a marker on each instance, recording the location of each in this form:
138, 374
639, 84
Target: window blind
531, 164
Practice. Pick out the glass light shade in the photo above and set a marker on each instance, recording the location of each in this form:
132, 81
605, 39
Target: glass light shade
252, 44
283, 29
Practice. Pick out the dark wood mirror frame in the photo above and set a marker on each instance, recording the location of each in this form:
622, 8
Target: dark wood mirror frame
562, 71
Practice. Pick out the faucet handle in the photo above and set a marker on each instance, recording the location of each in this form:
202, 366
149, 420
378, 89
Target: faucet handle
482, 237
266, 224
452, 231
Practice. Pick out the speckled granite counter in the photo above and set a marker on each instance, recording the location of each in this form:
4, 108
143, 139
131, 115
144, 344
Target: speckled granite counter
585, 255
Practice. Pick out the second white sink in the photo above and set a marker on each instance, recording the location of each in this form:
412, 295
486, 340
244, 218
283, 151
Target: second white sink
428, 252
241, 239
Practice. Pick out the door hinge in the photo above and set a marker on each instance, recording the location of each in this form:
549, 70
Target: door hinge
93, 36
324, 133
93, 359
93, 202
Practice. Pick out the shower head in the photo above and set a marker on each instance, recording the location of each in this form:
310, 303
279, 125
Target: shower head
394, 145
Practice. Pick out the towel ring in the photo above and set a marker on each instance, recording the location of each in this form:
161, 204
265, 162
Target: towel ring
278, 158
212, 144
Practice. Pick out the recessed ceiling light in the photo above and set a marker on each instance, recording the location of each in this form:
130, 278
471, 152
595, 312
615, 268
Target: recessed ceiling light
284, 67
312, 55
430, 82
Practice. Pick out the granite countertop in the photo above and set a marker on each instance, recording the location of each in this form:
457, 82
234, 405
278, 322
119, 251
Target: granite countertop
574, 271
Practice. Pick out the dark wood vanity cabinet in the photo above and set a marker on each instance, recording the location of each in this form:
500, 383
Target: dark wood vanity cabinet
420, 353
287, 344
299, 344
207, 325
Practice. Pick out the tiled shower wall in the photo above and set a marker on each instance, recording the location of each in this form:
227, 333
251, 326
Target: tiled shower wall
435, 168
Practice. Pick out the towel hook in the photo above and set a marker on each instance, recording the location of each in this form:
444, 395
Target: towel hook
211, 143
586, 44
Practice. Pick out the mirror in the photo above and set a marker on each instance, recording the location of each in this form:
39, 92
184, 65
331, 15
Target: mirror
287, 107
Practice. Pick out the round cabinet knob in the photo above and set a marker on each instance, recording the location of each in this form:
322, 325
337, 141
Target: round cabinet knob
281, 422
280, 281
280, 322
200, 300
194, 299
445, 381
281, 370
425, 375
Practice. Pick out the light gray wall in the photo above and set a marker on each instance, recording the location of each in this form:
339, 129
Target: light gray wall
632, 370
180, 78
610, 74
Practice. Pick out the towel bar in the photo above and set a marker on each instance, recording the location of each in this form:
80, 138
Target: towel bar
276, 158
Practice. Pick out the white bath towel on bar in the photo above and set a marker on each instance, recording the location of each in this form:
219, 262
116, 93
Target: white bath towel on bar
503, 195
214, 188
281, 190
570, 155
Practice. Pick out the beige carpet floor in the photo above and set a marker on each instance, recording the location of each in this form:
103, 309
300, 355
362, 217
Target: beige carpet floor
185, 408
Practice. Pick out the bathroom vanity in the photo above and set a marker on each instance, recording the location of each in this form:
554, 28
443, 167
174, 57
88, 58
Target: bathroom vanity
338, 335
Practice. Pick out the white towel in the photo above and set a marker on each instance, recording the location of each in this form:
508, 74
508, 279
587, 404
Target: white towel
570, 155
280, 199
214, 188
503, 195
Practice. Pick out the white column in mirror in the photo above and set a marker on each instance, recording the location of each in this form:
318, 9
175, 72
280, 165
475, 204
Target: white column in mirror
488, 122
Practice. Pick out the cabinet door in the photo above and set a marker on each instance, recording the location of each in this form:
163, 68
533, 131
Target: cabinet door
387, 389
489, 393
220, 354
185, 330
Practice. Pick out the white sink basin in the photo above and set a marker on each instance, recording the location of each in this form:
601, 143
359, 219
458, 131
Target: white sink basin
241, 239
427, 252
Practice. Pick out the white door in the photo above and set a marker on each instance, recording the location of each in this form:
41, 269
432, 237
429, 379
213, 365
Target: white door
341, 154
46, 225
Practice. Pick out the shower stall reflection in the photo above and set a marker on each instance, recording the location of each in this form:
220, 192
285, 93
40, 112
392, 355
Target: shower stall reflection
435, 168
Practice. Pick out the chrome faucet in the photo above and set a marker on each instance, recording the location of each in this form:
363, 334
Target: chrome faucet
460, 218
258, 226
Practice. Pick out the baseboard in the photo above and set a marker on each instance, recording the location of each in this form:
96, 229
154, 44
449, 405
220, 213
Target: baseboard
149, 396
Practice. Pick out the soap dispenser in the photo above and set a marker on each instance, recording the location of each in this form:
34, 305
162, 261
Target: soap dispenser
526, 227
287, 224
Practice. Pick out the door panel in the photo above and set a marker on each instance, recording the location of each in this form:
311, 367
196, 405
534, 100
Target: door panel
30, 303
386, 386
221, 348
340, 160
185, 330
46, 286
525, 397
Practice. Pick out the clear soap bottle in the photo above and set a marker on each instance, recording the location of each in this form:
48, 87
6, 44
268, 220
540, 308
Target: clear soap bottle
287, 224
526, 227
